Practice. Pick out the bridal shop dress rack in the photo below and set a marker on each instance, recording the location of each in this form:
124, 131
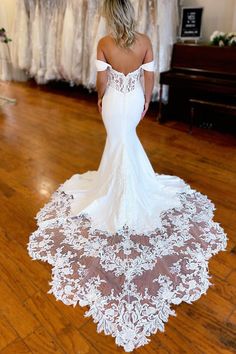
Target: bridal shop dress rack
57, 39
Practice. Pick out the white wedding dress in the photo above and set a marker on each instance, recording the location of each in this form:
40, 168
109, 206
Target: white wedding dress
124, 240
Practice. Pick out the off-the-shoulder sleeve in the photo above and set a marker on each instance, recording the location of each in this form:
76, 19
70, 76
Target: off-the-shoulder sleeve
101, 65
149, 66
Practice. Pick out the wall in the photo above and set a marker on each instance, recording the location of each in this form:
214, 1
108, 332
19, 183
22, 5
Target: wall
234, 18
218, 15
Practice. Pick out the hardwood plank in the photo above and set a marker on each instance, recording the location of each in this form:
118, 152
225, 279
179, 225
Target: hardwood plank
225, 289
219, 268
232, 318
16, 347
204, 330
40, 341
52, 315
14, 311
232, 277
7, 332
72, 341
31, 274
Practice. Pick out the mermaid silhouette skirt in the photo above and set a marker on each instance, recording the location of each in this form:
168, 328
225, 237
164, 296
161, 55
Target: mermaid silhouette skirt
124, 240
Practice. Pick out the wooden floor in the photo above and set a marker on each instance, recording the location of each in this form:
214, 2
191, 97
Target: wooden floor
52, 133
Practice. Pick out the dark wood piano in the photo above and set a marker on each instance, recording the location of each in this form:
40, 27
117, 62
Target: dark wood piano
201, 73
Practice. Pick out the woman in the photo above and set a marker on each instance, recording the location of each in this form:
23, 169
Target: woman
125, 53
125, 240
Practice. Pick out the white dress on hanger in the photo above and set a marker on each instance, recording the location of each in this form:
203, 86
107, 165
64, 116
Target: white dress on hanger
23, 39
39, 44
51, 49
67, 42
124, 240
77, 57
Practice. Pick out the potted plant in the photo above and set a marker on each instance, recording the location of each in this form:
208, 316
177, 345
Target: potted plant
223, 39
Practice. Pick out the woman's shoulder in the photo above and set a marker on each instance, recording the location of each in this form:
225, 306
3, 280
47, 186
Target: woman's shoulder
104, 41
142, 37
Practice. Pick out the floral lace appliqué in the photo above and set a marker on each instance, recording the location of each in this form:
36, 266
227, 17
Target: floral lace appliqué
128, 280
123, 83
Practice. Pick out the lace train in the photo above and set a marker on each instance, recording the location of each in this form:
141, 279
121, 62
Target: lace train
128, 280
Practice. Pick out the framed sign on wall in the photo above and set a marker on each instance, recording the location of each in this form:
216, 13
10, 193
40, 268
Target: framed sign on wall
191, 23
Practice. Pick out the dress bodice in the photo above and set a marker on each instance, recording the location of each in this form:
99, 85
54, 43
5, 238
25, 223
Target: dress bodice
121, 82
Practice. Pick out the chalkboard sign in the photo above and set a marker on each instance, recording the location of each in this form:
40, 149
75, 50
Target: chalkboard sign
191, 21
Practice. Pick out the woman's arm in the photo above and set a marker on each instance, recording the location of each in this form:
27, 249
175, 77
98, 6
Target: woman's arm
101, 81
148, 78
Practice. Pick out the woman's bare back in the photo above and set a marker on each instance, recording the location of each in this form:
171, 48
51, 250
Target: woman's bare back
125, 60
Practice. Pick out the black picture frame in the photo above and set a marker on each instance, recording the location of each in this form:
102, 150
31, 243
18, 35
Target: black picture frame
191, 23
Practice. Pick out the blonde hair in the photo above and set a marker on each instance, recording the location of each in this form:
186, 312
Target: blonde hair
120, 18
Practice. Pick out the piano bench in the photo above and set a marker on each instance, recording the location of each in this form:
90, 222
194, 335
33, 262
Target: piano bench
220, 107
